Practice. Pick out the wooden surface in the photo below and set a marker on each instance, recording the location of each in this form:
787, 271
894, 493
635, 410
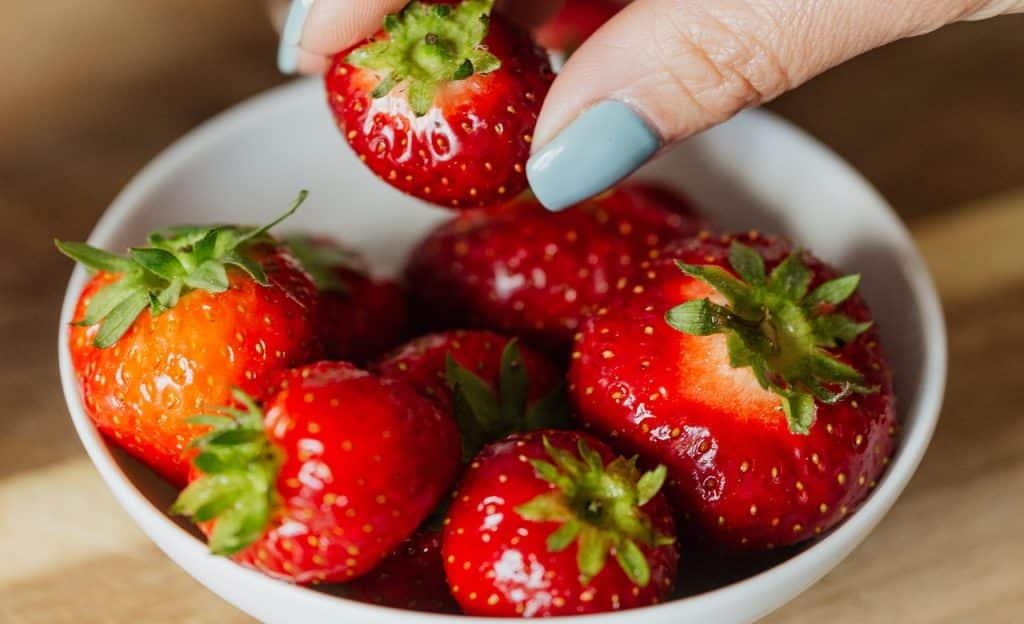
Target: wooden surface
93, 89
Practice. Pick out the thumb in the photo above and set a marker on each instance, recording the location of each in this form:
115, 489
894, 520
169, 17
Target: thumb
662, 70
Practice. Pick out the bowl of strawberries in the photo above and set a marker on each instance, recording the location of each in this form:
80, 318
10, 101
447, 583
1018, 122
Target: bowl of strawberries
412, 394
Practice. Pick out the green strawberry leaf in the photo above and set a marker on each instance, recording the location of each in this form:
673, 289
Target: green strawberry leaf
633, 562
550, 412
834, 291
96, 259
776, 329
598, 507
427, 46
178, 260
120, 319
238, 467
484, 415
513, 383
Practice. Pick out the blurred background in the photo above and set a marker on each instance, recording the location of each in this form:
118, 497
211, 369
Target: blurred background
93, 89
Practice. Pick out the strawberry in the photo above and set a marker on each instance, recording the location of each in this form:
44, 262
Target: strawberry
491, 384
412, 577
163, 333
538, 515
337, 470
442, 103
755, 375
360, 317
574, 23
529, 272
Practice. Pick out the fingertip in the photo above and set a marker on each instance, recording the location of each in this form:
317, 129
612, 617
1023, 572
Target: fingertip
288, 51
603, 146
336, 25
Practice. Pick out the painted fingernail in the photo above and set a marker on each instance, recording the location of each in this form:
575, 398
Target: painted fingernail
604, 145
291, 35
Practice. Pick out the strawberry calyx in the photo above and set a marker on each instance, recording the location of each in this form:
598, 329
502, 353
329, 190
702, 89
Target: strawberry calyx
177, 260
323, 261
598, 506
485, 415
239, 467
779, 330
429, 45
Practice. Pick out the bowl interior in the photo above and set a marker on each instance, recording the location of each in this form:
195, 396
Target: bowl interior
753, 172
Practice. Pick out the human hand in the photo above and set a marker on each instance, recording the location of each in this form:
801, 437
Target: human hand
660, 71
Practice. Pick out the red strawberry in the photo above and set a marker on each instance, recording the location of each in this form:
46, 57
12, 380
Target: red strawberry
442, 103
412, 577
360, 317
537, 274
492, 385
767, 395
538, 515
339, 471
169, 330
574, 23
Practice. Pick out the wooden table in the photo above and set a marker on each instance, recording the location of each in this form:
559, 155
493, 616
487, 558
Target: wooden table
93, 89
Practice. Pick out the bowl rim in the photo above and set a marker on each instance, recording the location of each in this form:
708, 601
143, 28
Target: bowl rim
181, 546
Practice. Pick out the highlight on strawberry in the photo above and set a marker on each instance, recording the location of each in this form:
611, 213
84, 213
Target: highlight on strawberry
526, 271
442, 102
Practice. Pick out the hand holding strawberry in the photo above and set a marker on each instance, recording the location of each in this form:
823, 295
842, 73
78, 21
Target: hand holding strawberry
442, 103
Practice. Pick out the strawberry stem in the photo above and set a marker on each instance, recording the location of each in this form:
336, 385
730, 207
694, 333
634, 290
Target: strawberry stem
427, 46
779, 330
486, 415
598, 506
239, 468
178, 260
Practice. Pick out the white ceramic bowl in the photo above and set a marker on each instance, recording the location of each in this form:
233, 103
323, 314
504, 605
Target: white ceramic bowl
755, 171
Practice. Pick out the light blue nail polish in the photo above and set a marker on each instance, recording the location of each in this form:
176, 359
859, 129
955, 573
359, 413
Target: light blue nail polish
604, 145
291, 35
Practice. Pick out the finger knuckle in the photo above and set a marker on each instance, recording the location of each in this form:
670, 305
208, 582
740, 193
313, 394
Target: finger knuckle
716, 59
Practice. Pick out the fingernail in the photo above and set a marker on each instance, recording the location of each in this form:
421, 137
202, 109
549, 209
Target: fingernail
604, 145
291, 35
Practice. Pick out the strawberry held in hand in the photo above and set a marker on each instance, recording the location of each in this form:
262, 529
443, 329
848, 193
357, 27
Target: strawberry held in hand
537, 274
491, 384
754, 374
552, 523
163, 333
442, 103
339, 471
359, 316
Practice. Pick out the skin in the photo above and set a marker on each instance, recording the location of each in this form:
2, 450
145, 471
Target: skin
685, 65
